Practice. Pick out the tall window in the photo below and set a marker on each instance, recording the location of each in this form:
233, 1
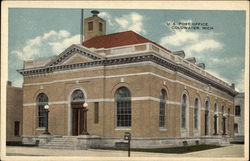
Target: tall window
162, 114
96, 113
228, 120
237, 110
223, 122
42, 100
123, 107
207, 118
215, 119
196, 113
184, 111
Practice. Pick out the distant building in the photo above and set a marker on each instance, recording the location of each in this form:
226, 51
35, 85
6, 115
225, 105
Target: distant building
14, 114
130, 84
239, 117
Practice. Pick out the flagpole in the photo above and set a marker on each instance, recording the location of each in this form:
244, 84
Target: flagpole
81, 36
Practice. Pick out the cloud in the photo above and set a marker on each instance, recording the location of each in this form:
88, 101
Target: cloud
208, 44
58, 47
107, 17
48, 44
179, 38
133, 21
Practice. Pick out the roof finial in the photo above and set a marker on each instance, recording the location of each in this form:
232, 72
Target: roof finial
95, 12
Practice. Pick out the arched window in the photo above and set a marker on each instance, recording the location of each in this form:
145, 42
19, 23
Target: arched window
77, 96
196, 113
184, 111
207, 117
162, 115
123, 107
42, 100
215, 119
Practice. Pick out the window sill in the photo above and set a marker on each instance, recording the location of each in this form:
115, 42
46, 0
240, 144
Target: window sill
163, 129
123, 128
40, 128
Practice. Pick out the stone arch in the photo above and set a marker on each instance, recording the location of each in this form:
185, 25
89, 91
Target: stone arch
70, 108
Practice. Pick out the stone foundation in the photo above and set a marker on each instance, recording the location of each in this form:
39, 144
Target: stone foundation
95, 142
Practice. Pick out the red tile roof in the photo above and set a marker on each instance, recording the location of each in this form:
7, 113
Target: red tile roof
117, 39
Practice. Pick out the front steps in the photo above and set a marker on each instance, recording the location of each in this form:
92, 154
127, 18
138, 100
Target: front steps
71, 142
64, 142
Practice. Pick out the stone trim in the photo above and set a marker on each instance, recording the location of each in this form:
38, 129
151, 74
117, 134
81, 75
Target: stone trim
122, 129
107, 100
123, 75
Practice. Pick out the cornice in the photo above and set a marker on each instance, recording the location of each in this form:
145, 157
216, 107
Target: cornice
149, 56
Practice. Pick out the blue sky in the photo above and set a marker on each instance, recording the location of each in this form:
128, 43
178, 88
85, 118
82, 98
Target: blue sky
40, 33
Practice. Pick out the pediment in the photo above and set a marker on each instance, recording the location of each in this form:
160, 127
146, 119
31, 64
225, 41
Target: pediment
74, 54
76, 58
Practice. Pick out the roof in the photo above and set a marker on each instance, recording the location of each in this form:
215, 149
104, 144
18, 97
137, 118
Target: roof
118, 39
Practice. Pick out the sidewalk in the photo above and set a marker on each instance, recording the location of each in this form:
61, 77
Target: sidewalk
236, 150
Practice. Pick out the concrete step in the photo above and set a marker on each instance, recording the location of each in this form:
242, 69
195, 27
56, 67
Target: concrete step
61, 143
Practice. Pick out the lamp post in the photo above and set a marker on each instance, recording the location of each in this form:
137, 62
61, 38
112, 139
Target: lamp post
85, 132
46, 107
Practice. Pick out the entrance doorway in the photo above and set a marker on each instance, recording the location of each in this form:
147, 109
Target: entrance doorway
78, 115
77, 118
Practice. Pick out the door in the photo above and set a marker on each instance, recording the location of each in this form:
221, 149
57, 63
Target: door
77, 118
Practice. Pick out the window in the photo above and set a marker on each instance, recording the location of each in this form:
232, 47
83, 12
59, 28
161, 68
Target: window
162, 115
196, 110
237, 110
236, 130
215, 119
42, 100
17, 128
123, 107
207, 118
183, 111
100, 26
90, 26
96, 112
223, 122
77, 96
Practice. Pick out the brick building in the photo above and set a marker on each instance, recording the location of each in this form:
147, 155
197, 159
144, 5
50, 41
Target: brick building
239, 131
130, 84
14, 114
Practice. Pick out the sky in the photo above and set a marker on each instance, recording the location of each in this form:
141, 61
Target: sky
213, 37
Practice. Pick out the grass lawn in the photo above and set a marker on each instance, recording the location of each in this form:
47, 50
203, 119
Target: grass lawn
178, 150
